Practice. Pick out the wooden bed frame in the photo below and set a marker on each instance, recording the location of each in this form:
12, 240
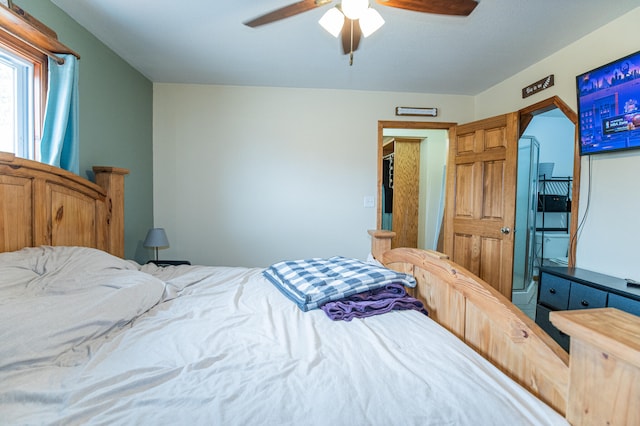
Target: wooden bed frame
598, 384
45, 205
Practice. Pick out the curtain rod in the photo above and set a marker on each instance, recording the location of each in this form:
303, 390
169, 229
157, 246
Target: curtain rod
52, 55
19, 24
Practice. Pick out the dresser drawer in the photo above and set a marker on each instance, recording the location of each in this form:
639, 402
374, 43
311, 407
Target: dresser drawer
584, 297
542, 319
554, 291
624, 304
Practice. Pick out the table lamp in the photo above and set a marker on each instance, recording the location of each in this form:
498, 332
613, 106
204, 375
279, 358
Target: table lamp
156, 237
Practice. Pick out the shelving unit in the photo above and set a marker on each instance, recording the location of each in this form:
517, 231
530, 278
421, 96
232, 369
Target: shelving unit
554, 197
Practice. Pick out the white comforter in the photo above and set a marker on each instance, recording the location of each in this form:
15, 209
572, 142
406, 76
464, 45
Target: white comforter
91, 339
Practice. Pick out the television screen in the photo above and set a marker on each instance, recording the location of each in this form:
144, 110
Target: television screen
609, 106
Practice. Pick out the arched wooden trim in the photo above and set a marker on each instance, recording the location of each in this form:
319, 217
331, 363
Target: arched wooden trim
526, 116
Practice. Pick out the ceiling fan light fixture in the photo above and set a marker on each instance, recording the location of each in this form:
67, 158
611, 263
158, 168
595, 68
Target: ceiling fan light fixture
370, 22
354, 9
332, 21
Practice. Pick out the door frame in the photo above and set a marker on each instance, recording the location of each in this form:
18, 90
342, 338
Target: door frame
391, 124
526, 115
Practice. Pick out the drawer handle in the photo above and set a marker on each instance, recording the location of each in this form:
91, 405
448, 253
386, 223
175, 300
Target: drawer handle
584, 302
552, 290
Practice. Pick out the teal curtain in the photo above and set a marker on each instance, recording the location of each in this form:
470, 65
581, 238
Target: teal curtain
59, 144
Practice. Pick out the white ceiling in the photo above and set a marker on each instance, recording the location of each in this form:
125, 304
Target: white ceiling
204, 41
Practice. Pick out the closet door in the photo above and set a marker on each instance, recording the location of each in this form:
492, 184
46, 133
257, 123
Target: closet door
406, 174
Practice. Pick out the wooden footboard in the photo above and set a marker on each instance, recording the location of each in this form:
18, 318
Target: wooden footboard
605, 366
45, 205
601, 384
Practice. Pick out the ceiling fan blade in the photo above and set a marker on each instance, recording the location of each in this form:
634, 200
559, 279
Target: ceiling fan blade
347, 46
286, 12
442, 7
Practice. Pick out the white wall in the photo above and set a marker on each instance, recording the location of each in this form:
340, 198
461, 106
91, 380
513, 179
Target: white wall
608, 239
249, 175
433, 158
612, 41
556, 136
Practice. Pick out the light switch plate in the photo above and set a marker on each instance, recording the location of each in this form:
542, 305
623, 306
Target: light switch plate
369, 201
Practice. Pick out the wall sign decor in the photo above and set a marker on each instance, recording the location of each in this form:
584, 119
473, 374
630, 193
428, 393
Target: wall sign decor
538, 86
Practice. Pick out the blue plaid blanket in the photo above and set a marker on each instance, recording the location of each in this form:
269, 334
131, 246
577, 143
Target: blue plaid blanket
313, 282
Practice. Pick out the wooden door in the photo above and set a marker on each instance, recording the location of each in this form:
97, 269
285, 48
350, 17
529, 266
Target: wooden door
480, 199
406, 189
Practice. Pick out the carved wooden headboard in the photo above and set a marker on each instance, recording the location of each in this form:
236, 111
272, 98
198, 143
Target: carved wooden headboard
44, 205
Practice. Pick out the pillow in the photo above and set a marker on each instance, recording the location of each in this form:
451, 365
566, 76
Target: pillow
312, 282
56, 301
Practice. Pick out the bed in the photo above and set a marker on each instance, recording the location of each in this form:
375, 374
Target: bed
91, 338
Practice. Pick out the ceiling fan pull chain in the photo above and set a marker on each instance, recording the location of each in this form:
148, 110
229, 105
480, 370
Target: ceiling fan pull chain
351, 49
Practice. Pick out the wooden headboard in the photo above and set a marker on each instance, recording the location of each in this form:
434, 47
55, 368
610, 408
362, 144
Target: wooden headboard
45, 205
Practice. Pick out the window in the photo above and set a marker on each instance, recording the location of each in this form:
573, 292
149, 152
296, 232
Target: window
22, 97
16, 104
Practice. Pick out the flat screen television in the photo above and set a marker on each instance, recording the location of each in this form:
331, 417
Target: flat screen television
609, 106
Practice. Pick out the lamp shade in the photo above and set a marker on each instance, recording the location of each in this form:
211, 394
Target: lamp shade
370, 21
353, 9
156, 237
332, 21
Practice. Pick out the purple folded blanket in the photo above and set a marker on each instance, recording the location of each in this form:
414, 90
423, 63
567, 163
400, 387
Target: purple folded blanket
374, 302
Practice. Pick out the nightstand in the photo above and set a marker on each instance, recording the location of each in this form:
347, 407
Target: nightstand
169, 262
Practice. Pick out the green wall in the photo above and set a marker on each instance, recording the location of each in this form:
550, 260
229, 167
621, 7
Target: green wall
116, 104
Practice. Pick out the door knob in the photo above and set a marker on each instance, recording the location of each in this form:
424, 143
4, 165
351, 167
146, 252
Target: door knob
505, 230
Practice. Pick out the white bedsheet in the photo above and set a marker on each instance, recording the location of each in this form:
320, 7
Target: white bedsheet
227, 348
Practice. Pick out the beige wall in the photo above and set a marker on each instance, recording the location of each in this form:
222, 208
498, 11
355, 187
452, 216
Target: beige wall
608, 239
252, 175
248, 176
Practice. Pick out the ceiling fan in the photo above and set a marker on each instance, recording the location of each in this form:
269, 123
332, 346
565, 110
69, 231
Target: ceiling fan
354, 18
